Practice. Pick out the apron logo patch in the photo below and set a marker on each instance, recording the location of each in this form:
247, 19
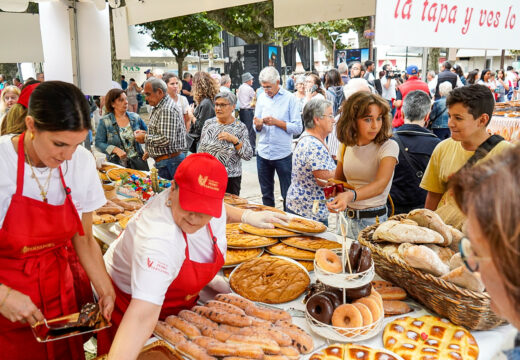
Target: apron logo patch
157, 266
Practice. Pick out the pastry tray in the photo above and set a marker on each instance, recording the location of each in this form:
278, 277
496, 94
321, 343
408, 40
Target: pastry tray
158, 350
43, 334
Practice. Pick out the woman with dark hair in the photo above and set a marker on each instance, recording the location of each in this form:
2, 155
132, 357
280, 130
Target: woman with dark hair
473, 77
366, 160
48, 191
457, 69
502, 86
313, 87
115, 132
334, 87
131, 93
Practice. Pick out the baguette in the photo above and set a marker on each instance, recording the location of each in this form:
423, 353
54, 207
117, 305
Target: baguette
424, 258
429, 219
396, 232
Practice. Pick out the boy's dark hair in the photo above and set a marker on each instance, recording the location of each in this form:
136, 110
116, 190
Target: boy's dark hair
477, 98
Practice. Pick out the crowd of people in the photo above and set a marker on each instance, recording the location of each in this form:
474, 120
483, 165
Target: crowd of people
423, 145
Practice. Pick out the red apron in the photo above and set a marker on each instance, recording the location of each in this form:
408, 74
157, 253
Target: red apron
182, 293
34, 261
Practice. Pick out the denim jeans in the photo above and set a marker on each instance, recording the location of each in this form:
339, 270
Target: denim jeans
266, 169
167, 167
355, 226
246, 116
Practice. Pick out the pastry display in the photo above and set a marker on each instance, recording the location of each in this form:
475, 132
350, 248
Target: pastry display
269, 279
265, 232
429, 219
328, 261
351, 352
429, 335
359, 260
310, 243
232, 199
258, 207
290, 252
303, 225
237, 238
232, 326
237, 256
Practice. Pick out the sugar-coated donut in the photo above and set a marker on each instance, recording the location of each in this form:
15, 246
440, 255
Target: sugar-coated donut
347, 316
328, 261
320, 307
372, 305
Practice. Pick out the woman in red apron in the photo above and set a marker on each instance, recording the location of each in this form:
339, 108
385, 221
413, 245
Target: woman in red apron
36, 233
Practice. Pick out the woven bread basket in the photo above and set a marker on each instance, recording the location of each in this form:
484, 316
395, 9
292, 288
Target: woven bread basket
464, 307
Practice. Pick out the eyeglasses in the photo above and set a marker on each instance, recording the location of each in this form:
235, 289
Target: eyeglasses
221, 105
468, 255
331, 116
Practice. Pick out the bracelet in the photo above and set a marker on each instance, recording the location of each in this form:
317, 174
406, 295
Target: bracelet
5, 297
355, 195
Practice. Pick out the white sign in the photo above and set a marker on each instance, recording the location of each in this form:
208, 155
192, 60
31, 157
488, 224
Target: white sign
476, 24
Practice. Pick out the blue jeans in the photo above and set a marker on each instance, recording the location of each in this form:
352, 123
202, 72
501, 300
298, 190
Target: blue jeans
246, 116
356, 225
266, 169
167, 167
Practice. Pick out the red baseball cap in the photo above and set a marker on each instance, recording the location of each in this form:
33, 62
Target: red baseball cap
26, 94
202, 182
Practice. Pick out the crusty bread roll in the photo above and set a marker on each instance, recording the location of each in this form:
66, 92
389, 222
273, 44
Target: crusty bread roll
456, 261
444, 253
431, 220
424, 258
462, 277
402, 248
396, 232
391, 250
456, 236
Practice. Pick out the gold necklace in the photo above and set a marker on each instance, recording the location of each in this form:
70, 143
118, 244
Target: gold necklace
43, 192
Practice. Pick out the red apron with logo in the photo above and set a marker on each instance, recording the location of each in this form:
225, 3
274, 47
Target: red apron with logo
181, 294
34, 261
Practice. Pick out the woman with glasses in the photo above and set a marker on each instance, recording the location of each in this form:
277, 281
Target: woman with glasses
227, 139
492, 246
312, 163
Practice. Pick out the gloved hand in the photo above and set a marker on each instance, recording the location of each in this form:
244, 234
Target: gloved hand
264, 219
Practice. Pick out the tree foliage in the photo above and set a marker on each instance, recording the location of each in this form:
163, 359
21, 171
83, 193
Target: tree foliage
183, 35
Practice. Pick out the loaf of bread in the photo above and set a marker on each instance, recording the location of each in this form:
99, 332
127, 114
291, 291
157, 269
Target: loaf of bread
431, 220
462, 277
456, 236
397, 232
444, 253
424, 258
456, 261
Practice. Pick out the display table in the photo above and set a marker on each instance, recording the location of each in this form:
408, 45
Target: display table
507, 127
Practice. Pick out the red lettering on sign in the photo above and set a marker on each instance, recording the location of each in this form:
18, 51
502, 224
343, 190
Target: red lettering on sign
467, 20
510, 19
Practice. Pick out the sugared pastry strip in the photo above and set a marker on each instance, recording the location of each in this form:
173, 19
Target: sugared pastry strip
194, 351
222, 317
205, 341
197, 320
300, 339
227, 307
268, 345
188, 329
166, 332
217, 333
290, 351
281, 338
268, 314
236, 300
241, 350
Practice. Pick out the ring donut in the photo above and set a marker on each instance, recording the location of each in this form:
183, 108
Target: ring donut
336, 299
366, 314
358, 293
372, 304
328, 261
347, 316
320, 307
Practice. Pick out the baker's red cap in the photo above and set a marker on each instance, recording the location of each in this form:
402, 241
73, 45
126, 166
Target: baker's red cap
202, 182
26, 94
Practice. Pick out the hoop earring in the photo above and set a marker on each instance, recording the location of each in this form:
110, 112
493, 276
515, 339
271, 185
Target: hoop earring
32, 136
169, 203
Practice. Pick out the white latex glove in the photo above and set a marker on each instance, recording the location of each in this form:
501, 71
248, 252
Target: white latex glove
264, 219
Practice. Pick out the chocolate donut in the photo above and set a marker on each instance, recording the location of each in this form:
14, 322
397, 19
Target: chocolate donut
357, 293
353, 255
320, 307
365, 260
334, 298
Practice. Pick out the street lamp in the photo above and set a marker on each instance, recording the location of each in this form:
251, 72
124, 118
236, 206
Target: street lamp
334, 36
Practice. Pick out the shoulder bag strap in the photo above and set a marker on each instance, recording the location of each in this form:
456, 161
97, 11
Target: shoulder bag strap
120, 139
483, 150
417, 173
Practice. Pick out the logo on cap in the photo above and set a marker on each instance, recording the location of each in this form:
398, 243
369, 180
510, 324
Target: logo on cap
206, 182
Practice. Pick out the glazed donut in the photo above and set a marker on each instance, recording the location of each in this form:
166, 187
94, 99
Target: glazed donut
358, 293
396, 307
347, 316
165, 331
194, 351
268, 314
353, 255
188, 329
227, 307
375, 296
328, 261
218, 334
372, 305
205, 341
197, 320
392, 293
365, 260
278, 336
233, 299
300, 339
223, 317
290, 351
336, 299
268, 345
243, 350
320, 307
365, 314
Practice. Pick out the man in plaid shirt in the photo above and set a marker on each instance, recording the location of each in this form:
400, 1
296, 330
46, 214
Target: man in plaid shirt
166, 137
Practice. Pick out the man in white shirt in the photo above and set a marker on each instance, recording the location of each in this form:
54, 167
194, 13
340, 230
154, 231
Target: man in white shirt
389, 84
225, 83
174, 85
245, 95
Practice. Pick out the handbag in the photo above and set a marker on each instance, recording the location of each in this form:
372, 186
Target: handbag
135, 162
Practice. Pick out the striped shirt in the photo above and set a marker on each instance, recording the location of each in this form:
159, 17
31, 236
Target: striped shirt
166, 129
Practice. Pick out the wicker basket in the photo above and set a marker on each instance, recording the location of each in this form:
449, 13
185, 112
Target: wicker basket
468, 308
